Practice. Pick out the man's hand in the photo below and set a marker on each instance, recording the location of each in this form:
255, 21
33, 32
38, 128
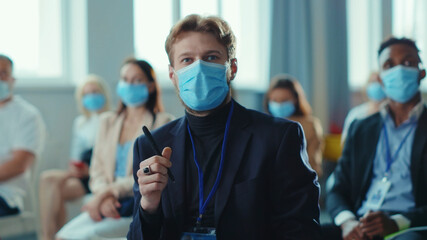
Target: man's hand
377, 224
154, 180
351, 230
109, 207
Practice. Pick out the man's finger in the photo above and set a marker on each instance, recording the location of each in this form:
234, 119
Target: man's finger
156, 159
156, 177
167, 152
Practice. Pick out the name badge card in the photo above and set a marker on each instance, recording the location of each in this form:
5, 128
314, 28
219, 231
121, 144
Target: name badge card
377, 195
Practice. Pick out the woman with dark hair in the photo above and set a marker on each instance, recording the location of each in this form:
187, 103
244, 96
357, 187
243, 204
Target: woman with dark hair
285, 98
111, 178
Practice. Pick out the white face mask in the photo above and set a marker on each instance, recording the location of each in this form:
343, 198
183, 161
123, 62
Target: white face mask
4, 90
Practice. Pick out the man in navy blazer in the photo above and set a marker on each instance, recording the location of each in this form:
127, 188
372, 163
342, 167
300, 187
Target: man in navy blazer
380, 182
239, 174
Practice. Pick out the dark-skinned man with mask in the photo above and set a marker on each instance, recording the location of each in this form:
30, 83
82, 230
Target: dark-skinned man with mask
379, 186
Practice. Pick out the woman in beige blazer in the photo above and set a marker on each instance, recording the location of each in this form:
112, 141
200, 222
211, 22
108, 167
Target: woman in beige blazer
285, 98
111, 179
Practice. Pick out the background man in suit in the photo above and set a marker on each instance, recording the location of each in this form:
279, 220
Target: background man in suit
380, 181
240, 174
21, 140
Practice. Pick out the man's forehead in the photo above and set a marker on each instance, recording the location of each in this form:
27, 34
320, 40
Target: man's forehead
197, 40
398, 50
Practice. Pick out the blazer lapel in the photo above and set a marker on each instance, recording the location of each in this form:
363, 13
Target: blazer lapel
373, 131
235, 149
418, 146
177, 189
115, 134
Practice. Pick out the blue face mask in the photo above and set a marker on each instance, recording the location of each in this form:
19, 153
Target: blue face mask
203, 85
282, 109
4, 90
132, 95
375, 92
400, 83
94, 101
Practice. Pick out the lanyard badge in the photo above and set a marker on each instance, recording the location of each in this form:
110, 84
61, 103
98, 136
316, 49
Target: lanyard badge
389, 157
380, 188
208, 233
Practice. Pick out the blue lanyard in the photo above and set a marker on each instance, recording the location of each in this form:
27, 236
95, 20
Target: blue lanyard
389, 157
203, 204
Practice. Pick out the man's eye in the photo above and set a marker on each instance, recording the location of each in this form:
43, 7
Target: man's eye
410, 63
387, 65
186, 60
211, 58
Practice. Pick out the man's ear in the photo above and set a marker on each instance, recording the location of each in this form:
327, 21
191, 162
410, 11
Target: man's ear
172, 75
422, 75
233, 67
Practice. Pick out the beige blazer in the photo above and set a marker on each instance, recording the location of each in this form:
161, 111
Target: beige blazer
314, 136
103, 162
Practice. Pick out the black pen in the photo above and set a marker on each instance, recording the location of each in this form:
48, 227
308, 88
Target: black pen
156, 149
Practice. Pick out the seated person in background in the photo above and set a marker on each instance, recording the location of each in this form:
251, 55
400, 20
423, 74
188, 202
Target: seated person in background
111, 169
380, 182
375, 94
22, 134
60, 186
240, 174
285, 98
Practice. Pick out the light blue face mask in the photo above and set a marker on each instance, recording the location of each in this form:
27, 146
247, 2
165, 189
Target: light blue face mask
282, 109
400, 83
132, 95
203, 85
94, 101
375, 92
4, 90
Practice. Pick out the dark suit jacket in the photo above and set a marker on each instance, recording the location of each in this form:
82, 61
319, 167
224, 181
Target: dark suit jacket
354, 172
267, 190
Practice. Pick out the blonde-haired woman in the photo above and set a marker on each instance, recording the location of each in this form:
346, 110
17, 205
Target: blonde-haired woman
60, 186
286, 99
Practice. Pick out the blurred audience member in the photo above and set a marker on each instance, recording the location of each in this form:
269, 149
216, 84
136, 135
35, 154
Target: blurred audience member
376, 95
60, 186
286, 99
22, 134
379, 186
111, 178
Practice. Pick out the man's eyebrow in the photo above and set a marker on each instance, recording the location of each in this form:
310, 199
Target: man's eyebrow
187, 54
184, 54
409, 55
213, 51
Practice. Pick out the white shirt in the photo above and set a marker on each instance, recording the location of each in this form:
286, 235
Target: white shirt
84, 135
21, 128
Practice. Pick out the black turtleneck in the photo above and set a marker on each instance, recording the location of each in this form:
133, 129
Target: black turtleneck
208, 134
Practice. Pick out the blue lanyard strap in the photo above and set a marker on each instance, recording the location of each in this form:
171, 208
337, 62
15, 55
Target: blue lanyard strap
203, 204
389, 157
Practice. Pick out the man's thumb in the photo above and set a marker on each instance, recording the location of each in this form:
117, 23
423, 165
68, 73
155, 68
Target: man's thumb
167, 152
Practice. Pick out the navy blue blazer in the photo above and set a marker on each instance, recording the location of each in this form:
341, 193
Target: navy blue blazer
267, 190
353, 174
